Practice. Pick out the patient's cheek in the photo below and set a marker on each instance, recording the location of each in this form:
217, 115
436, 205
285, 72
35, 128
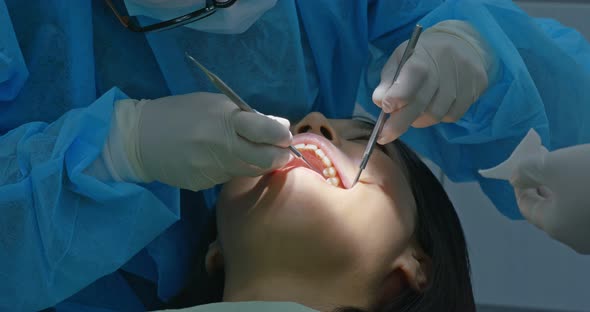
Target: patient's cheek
236, 196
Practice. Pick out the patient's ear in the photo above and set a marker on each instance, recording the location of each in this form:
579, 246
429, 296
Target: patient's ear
412, 269
416, 267
214, 259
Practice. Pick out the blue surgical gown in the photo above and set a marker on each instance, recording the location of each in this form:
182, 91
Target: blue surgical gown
73, 238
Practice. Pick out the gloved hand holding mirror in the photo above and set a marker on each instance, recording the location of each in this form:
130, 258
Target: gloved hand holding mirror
194, 141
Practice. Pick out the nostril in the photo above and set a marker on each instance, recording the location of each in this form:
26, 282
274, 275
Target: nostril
304, 129
326, 133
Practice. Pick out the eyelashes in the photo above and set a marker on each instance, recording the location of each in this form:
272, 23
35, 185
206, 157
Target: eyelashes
365, 138
361, 138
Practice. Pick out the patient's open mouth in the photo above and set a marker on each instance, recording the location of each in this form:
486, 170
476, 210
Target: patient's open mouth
319, 159
322, 154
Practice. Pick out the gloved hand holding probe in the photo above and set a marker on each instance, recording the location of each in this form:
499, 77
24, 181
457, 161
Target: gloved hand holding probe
447, 72
193, 141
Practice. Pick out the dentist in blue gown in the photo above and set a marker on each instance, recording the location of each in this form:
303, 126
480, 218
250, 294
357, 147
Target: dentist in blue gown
100, 126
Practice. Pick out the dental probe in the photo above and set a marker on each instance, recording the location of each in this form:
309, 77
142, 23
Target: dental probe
234, 97
381, 120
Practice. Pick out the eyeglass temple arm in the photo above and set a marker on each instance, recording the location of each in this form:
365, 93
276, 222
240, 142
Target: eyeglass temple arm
122, 18
127, 23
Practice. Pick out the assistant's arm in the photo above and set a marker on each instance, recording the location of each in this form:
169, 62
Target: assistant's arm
539, 82
64, 222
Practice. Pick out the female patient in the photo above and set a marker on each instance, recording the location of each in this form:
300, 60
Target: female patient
391, 243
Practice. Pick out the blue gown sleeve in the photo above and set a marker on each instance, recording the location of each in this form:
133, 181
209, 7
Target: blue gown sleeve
542, 83
60, 228
13, 70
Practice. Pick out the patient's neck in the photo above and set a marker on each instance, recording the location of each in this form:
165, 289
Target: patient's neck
317, 292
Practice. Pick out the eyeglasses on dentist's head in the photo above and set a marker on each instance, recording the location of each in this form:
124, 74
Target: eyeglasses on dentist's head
132, 23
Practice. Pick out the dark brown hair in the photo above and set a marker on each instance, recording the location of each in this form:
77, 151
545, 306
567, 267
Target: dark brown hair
439, 234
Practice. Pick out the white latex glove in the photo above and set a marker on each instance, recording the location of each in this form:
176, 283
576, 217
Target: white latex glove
193, 141
447, 72
553, 193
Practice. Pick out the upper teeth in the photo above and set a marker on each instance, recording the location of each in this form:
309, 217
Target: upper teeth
311, 147
329, 171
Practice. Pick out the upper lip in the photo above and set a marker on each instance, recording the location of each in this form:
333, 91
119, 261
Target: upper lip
340, 161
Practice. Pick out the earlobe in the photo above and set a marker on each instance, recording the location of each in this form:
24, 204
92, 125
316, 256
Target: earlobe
214, 260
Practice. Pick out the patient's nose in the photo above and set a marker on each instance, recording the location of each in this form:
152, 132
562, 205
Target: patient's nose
318, 124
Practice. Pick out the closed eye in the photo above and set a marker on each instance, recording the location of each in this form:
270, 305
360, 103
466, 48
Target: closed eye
365, 140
